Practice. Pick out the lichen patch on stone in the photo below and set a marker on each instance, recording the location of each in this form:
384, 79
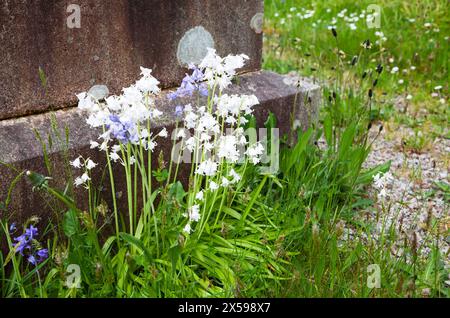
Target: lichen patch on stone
193, 46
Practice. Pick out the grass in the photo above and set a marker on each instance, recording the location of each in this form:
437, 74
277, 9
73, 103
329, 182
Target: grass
300, 232
416, 36
298, 39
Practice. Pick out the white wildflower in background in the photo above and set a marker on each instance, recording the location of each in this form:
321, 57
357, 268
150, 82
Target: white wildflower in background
382, 194
381, 181
394, 70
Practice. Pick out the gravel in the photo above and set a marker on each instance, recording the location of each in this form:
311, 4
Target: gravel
415, 207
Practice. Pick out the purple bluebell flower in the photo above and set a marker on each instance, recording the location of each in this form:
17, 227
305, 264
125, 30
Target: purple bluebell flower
32, 260
179, 111
123, 131
24, 240
197, 75
31, 232
22, 244
190, 84
42, 254
203, 89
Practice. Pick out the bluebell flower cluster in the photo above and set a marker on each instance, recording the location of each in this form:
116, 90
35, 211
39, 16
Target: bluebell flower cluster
190, 84
179, 110
24, 245
123, 131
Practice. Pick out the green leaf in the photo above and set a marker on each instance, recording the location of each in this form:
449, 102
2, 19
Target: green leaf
71, 224
161, 175
108, 244
294, 156
271, 121
346, 140
42, 78
10, 189
443, 186
177, 191
255, 196
251, 122
174, 255
367, 176
137, 243
328, 129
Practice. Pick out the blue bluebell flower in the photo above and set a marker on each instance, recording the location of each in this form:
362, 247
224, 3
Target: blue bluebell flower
190, 84
123, 131
32, 260
31, 232
24, 240
42, 254
24, 246
179, 111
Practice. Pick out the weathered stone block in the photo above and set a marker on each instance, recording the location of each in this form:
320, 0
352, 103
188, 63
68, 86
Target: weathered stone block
115, 38
18, 145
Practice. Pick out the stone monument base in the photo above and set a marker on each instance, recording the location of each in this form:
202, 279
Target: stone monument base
21, 149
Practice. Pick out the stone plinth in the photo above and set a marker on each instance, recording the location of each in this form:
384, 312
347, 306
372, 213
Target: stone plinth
18, 144
114, 38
